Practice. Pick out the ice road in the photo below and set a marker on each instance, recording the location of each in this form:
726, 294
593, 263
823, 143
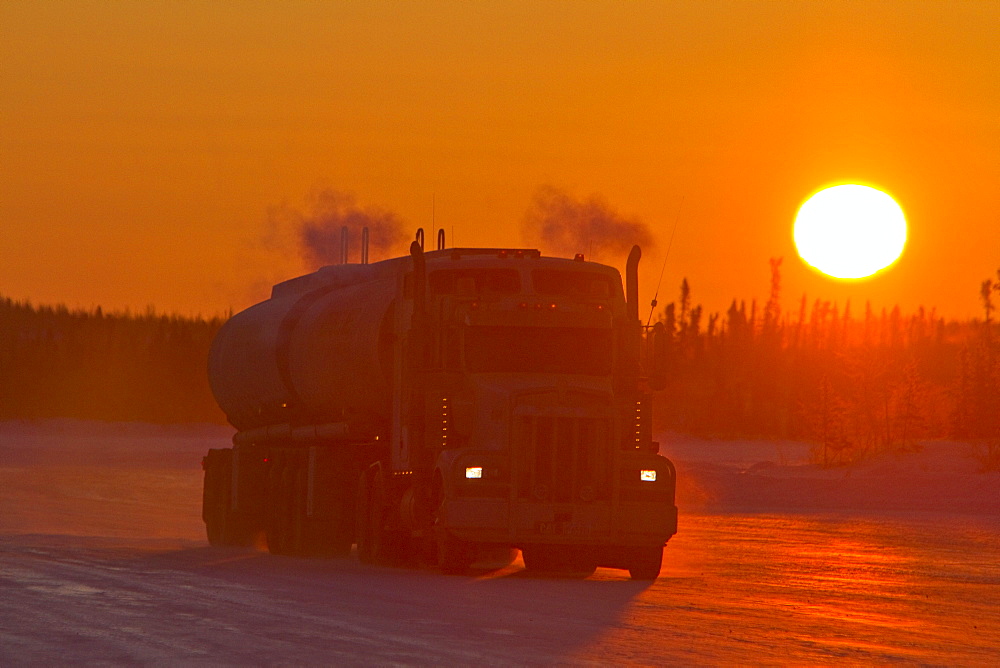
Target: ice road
103, 561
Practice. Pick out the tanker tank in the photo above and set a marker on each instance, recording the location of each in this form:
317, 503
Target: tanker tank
317, 352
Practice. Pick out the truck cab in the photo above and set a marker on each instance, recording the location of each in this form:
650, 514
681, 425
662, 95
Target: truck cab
533, 422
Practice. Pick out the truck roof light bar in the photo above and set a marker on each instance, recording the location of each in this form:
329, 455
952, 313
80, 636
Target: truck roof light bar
503, 253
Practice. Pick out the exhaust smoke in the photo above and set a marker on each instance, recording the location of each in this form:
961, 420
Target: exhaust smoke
317, 231
565, 225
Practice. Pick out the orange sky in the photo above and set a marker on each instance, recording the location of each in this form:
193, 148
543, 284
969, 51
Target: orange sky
142, 145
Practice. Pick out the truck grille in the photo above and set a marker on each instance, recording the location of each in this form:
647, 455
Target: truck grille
562, 459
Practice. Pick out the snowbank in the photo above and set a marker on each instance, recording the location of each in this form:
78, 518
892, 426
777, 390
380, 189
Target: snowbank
767, 476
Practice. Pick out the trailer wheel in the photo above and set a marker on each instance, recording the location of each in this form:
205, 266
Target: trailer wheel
328, 537
363, 523
277, 514
214, 532
298, 530
376, 544
236, 529
376, 520
342, 529
331, 527
645, 563
390, 545
215, 525
216, 495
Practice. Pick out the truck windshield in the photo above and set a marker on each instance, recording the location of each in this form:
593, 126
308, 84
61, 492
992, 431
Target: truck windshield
479, 280
586, 284
574, 350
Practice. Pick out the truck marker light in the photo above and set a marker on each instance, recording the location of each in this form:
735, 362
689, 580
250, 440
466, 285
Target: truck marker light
473, 472
445, 417
647, 475
638, 423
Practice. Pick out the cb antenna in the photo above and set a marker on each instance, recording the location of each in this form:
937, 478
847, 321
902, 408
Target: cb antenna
652, 305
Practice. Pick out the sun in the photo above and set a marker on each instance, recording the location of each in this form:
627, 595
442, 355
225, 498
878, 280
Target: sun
850, 231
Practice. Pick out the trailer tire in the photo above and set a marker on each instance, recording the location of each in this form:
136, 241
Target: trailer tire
331, 527
215, 526
362, 521
389, 545
236, 530
277, 514
376, 543
216, 496
298, 523
342, 528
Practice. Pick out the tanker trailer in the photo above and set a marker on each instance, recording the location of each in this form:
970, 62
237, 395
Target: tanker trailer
443, 407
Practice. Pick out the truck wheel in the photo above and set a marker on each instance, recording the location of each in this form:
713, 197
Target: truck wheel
455, 555
558, 559
540, 559
496, 557
645, 562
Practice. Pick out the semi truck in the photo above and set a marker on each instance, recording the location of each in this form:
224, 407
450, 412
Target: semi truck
448, 407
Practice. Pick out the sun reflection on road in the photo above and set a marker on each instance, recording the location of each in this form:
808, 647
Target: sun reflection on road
813, 590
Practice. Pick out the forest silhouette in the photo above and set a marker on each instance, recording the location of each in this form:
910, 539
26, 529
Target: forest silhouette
57, 362
856, 384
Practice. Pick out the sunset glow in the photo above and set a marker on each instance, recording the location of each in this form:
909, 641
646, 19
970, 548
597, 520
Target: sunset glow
850, 231
173, 154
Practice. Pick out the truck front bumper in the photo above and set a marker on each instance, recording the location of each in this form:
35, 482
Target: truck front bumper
501, 521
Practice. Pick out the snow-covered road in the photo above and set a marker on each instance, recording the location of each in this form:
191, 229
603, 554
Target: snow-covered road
102, 561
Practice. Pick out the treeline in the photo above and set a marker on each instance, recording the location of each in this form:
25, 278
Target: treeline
56, 362
855, 383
